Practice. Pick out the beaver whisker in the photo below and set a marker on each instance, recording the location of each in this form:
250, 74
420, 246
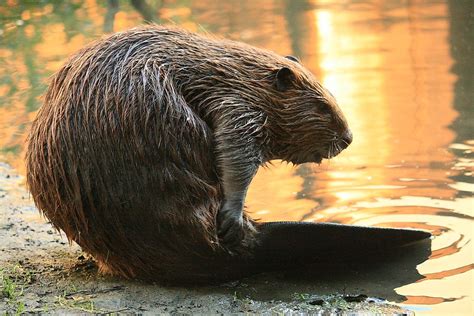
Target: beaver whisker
330, 150
344, 141
338, 148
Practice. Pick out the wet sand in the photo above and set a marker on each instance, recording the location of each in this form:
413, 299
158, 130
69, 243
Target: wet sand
41, 272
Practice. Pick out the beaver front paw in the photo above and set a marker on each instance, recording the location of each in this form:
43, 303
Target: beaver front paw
230, 225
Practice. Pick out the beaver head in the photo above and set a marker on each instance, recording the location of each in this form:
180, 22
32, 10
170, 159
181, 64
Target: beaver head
310, 125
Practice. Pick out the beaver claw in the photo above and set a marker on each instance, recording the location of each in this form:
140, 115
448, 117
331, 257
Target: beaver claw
230, 226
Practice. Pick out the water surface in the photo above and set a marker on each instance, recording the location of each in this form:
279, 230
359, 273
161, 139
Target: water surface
402, 72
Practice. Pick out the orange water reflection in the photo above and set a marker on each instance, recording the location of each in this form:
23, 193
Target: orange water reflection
388, 64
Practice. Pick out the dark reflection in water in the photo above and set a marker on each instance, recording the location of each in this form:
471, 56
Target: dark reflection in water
461, 39
374, 274
146, 11
402, 72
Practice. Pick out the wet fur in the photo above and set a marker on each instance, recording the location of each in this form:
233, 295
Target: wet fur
125, 154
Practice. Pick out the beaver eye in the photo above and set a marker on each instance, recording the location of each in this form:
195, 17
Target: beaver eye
324, 108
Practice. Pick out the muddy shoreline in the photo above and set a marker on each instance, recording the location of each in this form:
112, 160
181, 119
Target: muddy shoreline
41, 272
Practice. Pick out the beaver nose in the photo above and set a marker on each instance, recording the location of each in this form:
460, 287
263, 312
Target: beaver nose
346, 139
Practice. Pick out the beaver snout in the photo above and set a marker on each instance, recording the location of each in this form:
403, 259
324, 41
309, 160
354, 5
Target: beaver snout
336, 146
345, 140
339, 144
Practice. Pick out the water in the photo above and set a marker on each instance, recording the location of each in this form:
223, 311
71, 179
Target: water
402, 71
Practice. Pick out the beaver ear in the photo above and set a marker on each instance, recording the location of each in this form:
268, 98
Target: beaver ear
284, 79
293, 58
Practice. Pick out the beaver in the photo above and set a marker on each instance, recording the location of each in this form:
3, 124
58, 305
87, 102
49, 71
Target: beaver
148, 139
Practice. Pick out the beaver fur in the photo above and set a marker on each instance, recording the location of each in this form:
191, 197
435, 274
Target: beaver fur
147, 140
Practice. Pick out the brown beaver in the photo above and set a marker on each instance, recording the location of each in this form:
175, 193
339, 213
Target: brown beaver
148, 139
